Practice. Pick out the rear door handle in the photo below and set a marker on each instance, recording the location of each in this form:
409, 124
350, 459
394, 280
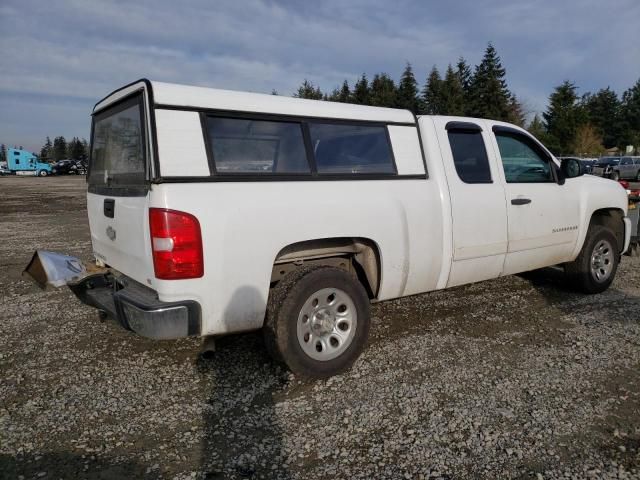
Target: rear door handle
520, 201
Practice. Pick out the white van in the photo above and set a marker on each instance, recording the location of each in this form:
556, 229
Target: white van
216, 211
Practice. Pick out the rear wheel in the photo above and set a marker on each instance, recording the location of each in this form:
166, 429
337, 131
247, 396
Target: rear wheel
615, 175
595, 267
317, 321
638, 176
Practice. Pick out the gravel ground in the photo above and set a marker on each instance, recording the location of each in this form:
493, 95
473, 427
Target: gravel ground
514, 378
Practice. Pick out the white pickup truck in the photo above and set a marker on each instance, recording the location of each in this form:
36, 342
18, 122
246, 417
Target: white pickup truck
216, 211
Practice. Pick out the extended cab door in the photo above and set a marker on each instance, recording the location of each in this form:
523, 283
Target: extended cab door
543, 215
478, 210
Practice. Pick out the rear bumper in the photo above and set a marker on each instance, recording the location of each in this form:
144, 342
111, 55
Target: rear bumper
137, 307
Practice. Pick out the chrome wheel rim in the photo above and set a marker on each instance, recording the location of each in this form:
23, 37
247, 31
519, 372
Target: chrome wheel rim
602, 261
327, 324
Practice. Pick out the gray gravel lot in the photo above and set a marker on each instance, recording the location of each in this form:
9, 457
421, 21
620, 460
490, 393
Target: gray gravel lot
514, 378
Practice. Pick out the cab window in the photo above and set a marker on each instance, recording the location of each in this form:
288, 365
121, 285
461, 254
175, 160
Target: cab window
469, 156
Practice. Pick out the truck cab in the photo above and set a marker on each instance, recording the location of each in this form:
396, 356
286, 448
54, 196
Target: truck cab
22, 162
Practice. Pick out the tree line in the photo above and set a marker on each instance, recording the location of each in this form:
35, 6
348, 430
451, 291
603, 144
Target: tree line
585, 125
59, 149
591, 123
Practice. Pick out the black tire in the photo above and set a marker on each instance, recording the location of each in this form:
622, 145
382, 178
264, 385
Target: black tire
638, 176
43, 173
580, 272
286, 301
615, 175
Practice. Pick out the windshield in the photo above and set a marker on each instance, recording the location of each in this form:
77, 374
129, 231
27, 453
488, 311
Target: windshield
118, 146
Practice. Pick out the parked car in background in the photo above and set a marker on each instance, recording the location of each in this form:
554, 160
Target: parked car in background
69, 167
628, 168
588, 164
604, 166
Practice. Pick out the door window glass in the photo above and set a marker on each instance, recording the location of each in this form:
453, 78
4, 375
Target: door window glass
522, 161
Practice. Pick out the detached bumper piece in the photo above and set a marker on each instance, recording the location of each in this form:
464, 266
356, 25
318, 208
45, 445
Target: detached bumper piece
137, 307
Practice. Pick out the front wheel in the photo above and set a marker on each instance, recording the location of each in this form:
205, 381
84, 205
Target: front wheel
317, 321
595, 267
615, 176
43, 173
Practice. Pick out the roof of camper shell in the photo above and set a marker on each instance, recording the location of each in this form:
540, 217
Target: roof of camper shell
202, 98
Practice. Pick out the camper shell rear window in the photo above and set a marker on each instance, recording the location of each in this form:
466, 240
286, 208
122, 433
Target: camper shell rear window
118, 157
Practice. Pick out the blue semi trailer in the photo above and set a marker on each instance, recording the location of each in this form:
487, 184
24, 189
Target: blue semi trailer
21, 162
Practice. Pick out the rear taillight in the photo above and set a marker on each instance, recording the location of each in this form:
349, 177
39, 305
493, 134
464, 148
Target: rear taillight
176, 243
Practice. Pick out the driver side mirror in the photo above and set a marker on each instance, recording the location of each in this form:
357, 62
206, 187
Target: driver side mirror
572, 167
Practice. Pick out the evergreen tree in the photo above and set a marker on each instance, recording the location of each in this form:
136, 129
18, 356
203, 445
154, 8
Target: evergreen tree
75, 149
563, 117
361, 91
333, 96
463, 70
489, 96
274, 91
516, 112
59, 148
630, 110
432, 94
407, 95
342, 94
536, 128
603, 110
345, 93
85, 148
3, 153
46, 152
452, 93
383, 91
308, 90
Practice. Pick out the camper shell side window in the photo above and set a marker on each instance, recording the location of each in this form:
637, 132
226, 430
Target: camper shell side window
256, 146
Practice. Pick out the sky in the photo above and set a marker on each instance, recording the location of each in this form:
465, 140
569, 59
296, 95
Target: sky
59, 57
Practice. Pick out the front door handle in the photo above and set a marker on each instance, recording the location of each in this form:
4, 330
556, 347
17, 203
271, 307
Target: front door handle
520, 201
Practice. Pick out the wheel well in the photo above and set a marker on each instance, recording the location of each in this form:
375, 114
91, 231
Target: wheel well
358, 256
612, 219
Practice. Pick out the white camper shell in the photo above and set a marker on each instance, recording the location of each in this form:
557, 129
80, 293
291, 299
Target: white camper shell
215, 211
